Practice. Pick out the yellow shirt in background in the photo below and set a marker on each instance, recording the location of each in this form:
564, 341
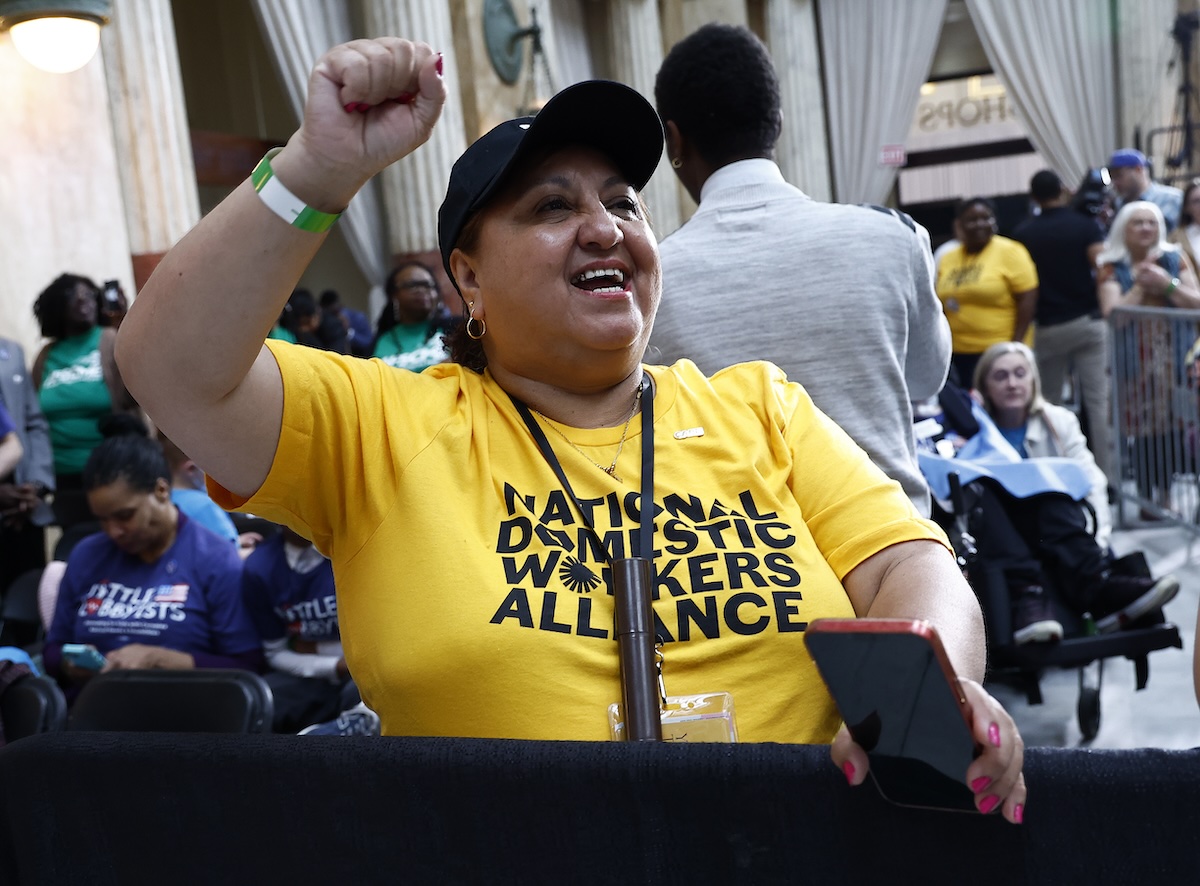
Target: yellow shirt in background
977, 292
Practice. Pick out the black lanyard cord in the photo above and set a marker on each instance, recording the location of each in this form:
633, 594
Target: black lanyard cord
644, 540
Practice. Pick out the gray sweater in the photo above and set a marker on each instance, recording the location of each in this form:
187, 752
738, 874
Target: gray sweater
840, 297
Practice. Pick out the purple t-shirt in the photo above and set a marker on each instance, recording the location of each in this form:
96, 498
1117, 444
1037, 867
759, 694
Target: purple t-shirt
188, 600
284, 603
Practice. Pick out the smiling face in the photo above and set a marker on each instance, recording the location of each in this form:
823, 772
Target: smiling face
564, 271
139, 523
1008, 388
978, 226
1141, 231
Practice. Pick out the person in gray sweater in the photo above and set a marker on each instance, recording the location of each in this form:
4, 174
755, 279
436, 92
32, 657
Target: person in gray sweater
840, 297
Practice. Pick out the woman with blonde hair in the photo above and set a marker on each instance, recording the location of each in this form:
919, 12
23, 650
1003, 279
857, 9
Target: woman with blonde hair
1139, 268
1052, 525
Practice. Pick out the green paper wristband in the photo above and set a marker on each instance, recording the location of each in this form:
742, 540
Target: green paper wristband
284, 203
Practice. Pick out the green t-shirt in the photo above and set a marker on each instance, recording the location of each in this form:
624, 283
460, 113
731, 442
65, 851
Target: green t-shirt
74, 398
280, 334
410, 346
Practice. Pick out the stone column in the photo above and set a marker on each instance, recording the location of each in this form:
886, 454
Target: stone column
802, 151
636, 47
150, 130
414, 187
59, 188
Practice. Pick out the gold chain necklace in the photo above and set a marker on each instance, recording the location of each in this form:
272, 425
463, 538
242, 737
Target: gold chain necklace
612, 468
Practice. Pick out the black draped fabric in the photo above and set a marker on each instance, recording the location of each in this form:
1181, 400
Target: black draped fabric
113, 808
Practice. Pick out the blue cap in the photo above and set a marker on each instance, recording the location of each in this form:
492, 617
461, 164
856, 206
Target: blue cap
1127, 158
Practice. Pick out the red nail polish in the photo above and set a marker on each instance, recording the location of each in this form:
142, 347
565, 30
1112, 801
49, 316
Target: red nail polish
994, 735
849, 770
438, 66
350, 106
404, 98
362, 107
1019, 813
980, 783
988, 804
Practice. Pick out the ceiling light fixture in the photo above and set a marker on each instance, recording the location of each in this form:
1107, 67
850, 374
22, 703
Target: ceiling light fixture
58, 36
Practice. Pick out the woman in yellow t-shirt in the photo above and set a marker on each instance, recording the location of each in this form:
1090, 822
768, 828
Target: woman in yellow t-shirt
477, 512
988, 287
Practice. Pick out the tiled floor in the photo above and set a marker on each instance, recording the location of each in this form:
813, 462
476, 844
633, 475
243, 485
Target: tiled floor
1163, 715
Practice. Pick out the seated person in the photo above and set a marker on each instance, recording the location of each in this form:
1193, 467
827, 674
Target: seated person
154, 589
411, 327
288, 589
190, 496
1049, 528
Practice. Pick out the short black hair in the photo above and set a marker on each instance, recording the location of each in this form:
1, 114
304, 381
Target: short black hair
963, 205
126, 453
50, 309
1045, 186
330, 298
719, 87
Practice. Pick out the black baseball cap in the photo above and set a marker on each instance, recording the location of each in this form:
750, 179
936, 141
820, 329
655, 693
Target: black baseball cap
611, 117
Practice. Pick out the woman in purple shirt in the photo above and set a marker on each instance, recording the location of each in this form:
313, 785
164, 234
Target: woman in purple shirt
153, 589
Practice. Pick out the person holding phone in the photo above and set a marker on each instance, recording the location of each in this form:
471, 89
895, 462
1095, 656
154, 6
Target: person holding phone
472, 511
153, 589
78, 384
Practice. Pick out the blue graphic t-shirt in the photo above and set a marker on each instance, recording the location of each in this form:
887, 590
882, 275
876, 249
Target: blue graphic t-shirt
286, 603
188, 600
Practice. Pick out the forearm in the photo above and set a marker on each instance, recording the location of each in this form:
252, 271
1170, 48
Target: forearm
921, 579
199, 323
300, 664
1026, 309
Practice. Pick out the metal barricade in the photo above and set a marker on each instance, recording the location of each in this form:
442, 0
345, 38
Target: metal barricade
1156, 414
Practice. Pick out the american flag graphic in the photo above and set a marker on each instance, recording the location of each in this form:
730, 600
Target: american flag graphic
172, 594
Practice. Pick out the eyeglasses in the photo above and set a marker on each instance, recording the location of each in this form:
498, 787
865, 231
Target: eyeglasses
415, 284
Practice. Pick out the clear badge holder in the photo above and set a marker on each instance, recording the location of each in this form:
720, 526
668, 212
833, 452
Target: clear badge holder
708, 716
690, 718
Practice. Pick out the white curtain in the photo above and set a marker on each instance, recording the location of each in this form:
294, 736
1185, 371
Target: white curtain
1055, 58
567, 49
297, 33
877, 55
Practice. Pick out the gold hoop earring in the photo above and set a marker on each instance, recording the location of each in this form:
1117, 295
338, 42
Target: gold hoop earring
676, 163
471, 318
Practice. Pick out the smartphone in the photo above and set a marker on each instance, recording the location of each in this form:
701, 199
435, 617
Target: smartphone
84, 656
897, 693
111, 294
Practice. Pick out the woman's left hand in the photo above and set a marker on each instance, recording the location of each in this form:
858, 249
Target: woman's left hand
995, 776
1151, 277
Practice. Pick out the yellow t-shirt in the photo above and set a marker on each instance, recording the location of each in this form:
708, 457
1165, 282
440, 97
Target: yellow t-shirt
977, 292
473, 601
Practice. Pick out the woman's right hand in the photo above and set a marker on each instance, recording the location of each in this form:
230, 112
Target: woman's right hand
370, 102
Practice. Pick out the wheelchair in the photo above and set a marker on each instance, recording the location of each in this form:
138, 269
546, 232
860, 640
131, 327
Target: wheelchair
1080, 648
